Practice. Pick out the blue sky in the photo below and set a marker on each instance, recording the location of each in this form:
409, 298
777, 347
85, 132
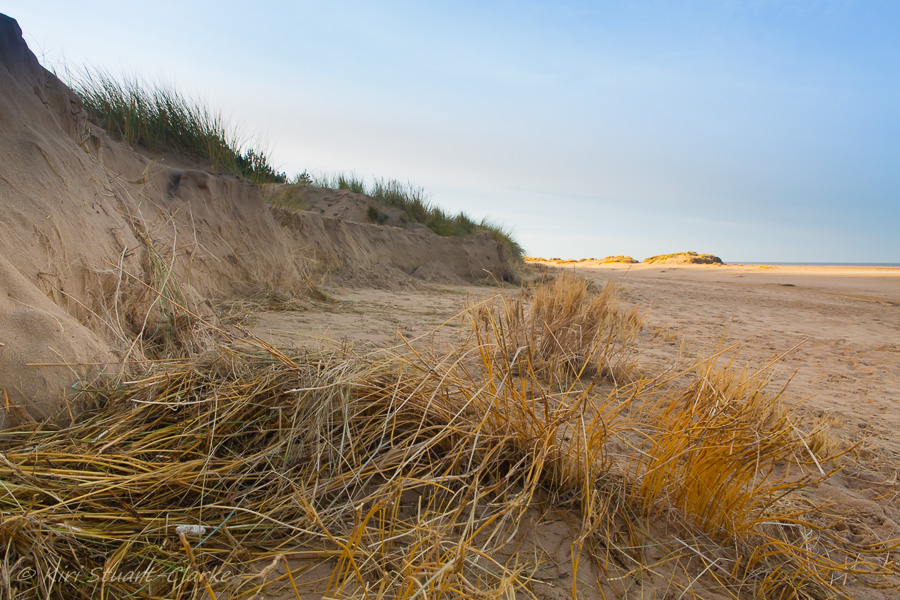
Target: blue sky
755, 130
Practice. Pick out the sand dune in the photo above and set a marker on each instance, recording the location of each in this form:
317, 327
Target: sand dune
382, 383
91, 227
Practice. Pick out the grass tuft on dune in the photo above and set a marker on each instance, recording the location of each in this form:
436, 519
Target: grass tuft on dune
160, 119
416, 206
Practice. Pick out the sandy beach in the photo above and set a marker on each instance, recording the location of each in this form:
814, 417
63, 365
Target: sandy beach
839, 327
835, 330
832, 335
219, 382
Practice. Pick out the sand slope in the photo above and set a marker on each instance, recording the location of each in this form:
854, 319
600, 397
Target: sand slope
90, 228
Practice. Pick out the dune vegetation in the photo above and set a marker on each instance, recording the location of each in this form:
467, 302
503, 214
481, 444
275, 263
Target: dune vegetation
416, 207
162, 120
617, 259
426, 472
600, 261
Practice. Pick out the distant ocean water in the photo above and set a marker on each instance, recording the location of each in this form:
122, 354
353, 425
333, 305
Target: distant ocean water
811, 264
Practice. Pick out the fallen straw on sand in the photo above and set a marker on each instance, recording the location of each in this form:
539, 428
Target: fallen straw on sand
425, 474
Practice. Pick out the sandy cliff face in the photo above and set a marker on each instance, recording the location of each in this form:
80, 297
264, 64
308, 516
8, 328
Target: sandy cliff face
371, 254
89, 228
87, 224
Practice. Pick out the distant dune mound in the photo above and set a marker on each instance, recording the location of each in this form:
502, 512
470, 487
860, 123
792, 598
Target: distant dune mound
592, 261
617, 259
685, 258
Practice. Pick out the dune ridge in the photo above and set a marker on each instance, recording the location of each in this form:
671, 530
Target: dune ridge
93, 229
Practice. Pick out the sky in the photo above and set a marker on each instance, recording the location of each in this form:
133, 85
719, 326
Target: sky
755, 130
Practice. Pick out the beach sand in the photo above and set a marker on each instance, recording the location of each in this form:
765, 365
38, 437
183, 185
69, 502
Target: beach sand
839, 328
98, 243
832, 332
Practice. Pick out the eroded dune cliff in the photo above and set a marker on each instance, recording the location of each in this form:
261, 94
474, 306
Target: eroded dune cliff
93, 231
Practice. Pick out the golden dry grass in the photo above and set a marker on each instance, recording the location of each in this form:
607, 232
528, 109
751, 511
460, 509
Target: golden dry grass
564, 329
411, 474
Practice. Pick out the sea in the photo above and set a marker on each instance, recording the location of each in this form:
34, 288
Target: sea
810, 264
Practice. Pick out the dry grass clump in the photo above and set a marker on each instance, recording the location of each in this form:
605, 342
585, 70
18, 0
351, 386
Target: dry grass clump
717, 458
822, 438
568, 329
410, 475
583, 328
293, 197
713, 449
404, 473
241, 311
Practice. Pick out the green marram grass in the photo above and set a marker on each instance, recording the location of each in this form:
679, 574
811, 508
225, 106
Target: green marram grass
416, 206
161, 119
